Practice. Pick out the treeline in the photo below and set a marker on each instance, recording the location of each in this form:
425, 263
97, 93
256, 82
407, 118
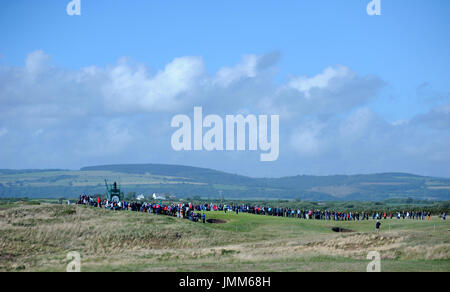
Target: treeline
187, 181
367, 187
184, 190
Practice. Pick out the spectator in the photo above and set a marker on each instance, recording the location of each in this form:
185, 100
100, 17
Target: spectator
377, 226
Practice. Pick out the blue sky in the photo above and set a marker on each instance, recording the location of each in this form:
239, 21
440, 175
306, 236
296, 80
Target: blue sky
407, 45
407, 48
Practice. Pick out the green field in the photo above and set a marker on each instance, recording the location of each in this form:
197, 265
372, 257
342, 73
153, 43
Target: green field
37, 237
186, 181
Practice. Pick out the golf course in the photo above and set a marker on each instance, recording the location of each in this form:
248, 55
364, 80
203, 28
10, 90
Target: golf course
37, 236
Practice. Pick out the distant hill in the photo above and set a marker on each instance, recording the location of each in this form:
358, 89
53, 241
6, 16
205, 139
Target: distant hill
185, 172
188, 181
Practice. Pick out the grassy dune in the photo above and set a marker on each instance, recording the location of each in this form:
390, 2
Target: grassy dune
38, 238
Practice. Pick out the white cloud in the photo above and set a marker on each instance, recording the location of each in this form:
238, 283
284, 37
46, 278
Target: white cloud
36, 62
438, 118
246, 69
308, 140
125, 88
104, 138
132, 89
333, 91
322, 80
356, 125
121, 113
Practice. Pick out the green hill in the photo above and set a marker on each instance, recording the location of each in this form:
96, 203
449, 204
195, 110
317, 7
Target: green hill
187, 181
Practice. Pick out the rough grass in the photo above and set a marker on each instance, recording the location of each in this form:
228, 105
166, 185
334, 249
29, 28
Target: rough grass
38, 238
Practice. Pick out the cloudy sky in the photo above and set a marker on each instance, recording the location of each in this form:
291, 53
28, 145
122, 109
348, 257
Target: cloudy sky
355, 93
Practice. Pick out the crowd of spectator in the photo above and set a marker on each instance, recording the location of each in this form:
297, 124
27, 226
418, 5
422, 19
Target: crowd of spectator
193, 211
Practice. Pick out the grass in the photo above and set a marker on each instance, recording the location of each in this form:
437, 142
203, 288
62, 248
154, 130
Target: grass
38, 238
75, 178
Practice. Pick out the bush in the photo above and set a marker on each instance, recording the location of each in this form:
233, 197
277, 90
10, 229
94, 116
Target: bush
31, 203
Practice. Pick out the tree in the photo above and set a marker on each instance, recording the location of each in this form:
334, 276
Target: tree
130, 196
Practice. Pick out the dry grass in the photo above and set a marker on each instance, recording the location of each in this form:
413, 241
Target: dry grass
39, 237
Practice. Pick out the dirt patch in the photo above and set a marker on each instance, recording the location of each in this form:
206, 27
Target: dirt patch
339, 229
216, 221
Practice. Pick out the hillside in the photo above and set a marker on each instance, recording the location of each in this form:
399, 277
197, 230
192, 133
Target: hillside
187, 181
